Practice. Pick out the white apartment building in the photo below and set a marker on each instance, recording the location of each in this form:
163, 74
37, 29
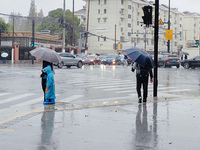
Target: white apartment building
123, 18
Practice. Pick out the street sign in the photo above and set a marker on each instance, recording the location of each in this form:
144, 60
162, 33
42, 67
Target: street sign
169, 35
160, 22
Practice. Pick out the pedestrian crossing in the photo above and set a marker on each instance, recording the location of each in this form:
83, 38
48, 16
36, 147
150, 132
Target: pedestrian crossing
101, 85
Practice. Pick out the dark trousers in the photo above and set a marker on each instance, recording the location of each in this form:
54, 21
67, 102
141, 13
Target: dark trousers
142, 81
44, 82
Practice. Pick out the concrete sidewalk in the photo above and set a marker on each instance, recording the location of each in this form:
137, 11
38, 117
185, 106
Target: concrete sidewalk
164, 124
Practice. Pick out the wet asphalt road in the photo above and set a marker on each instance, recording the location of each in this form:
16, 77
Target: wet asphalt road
96, 109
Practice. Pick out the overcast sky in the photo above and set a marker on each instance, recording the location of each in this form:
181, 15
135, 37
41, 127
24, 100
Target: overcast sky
23, 6
183, 5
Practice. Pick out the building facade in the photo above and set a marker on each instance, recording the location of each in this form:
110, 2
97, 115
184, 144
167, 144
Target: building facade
120, 22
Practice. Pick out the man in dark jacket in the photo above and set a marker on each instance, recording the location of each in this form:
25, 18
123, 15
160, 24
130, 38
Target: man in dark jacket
142, 76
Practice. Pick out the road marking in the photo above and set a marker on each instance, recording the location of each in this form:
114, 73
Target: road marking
96, 83
179, 90
3, 94
111, 86
7, 130
117, 88
71, 98
113, 98
29, 102
15, 98
149, 90
40, 99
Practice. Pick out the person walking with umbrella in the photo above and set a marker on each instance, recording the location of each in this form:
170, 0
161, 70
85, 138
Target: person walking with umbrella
142, 77
143, 64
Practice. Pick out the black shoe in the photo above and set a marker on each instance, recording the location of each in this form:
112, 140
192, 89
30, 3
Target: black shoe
144, 100
140, 100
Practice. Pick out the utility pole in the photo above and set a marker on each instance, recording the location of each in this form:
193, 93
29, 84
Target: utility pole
73, 28
155, 83
115, 36
63, 50
168, 44
86, 43
13, 41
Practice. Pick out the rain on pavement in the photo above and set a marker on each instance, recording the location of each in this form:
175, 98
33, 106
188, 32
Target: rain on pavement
96, 108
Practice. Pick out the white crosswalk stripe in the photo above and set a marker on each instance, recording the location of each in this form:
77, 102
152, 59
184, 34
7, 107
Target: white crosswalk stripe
71, 98
29, 102
16, 97
3, 94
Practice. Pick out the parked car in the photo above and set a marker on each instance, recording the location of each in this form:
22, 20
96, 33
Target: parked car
191, 63
80, 56
161, 59
112, 59
91, 60
171, 60
102, 58
69, 60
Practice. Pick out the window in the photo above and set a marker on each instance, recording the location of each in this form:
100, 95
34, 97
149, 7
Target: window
129, 33
105, 1
99, 2
122, 30
104, 11
129, 25
129, 6
104, 19
129, 16
122, 2
98, 11
98, 38
104, 38
121, 39
99, 19
138, 23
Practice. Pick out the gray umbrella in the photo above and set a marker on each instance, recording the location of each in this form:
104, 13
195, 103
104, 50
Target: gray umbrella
46, 54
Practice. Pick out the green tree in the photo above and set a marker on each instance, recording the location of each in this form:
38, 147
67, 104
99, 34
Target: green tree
54, 23
19, 21
5, 27
32, 15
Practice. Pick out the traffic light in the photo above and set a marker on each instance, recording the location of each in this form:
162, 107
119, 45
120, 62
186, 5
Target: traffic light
197, 42
32, 43
147, 18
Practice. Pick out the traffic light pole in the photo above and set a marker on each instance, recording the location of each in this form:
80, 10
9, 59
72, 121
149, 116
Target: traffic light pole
168, 44
33, 37
155, 83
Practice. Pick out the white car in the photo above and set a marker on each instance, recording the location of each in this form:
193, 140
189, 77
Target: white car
69, 60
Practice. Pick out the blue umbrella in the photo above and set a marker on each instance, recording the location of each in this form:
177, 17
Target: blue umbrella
141, 57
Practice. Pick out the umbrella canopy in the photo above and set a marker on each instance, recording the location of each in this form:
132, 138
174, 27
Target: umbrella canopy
184, 53
141, 57
4, 55
46, 54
